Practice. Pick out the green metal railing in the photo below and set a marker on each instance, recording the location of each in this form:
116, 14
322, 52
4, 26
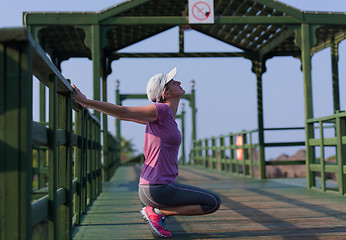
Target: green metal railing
221, 152
68, 154
318, 168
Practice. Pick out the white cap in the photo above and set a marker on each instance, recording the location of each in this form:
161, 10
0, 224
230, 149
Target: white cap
157, 83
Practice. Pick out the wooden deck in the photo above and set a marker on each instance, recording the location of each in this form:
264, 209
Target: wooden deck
250, 209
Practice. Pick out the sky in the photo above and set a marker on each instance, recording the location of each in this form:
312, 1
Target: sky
225, 87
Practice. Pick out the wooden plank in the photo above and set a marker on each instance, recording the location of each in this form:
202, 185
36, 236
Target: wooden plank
250, 209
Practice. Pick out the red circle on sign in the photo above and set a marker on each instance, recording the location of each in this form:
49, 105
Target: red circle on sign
201, 10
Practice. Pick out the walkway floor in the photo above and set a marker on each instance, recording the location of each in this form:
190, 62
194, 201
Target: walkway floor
250, 209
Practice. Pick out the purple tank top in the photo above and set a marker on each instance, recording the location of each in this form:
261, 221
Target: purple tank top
161, 146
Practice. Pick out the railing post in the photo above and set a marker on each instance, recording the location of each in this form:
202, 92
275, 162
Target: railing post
78, 163
222, 153
341, 153
322, 162
206, 153
85, 163
213, 151
232, 155
200, 153
15, 141
53, 160
245, 155
41, 153
251, 156
99, 164
89, 163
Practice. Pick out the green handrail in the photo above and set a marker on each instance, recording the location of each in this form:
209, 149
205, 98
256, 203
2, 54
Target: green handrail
220, 152
320, 165
69, 168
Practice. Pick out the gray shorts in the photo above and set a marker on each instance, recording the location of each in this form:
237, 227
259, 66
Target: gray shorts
175, 194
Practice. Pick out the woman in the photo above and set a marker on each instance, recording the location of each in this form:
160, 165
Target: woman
158, 189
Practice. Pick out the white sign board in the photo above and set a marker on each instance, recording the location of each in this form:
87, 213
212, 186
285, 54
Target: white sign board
201, 11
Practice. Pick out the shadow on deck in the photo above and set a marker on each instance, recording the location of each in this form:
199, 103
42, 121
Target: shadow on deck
251, 209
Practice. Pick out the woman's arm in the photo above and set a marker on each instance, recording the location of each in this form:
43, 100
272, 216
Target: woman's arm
135, 114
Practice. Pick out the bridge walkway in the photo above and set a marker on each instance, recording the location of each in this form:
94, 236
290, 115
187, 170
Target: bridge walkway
251, 209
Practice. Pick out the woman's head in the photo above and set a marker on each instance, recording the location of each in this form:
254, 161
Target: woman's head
159, 83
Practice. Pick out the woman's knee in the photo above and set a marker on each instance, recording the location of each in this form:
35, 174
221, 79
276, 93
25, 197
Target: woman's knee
213, 206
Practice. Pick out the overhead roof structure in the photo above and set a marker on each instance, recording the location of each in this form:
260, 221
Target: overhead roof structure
261, 29
264, 27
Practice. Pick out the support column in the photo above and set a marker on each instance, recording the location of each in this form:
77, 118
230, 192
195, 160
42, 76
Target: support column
15, 140
181, 39
105, 123
193, 108
306, 39
335, 73
258, 67
96, 58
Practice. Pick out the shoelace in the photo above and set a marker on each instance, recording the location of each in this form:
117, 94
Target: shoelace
163, 221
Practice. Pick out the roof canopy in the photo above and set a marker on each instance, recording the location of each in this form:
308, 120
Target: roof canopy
263, 28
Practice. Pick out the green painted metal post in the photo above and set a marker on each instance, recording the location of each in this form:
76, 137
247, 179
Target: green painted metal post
89, 162
69, 171
309, 128
96, 58
182, 116
181, 39
53, 160
3, 146
251, 156
193, 109
41, 162
322, 162
84, 188
258, 68
200, 152
213, 152
206, 153
99, 165
222, 153
232, 155
117, 102
335, 74
341, 154
245, 156
15, 141
105, 129
78, 163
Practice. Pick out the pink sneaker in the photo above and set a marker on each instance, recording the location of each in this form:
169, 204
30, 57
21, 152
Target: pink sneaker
155, 221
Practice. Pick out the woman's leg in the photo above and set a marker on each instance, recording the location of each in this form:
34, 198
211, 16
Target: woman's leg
188, 210
179, 199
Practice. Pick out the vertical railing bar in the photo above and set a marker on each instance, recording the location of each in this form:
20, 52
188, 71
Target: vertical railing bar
232, 155
85, 162
213, 153
69, 145
322, 161
53, 160
251, 156
206, 153
340, 154
78, 163
90, 160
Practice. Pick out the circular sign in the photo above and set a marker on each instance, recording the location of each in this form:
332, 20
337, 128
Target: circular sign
201, 10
